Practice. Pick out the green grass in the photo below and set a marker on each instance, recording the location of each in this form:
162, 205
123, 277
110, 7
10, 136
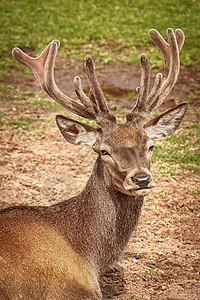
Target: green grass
38, 100
28, 98
23, 124
191, 207
180, 148
109, 30
136, 297
153, 274
31, 122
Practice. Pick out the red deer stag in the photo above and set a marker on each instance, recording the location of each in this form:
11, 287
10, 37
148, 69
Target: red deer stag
58, 252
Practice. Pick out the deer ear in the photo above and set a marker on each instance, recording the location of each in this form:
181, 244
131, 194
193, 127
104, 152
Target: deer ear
75, 132
165, 124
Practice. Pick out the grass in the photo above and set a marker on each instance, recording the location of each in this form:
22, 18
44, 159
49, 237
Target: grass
28, 98
109, 30
191, 207
23, 124
38, 100
28, 121
153, 274
180, 148
136, 298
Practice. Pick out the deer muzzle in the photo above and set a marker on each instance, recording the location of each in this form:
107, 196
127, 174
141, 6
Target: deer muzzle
139, 183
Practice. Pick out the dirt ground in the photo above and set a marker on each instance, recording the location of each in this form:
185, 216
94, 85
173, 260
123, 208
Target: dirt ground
162, 261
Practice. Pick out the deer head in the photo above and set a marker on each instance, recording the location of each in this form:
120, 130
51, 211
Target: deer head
125, 150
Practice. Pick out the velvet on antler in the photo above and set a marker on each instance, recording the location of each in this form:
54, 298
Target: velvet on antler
93, 107
148, 100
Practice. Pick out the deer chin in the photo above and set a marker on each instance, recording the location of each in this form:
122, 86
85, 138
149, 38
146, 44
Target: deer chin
141, 192
138, 192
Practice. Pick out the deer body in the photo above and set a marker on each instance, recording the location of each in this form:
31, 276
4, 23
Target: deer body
103, 220
58, 252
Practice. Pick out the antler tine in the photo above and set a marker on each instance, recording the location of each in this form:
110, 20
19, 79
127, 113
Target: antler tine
43, 69
144, 82
143, 91
96, 90
95, 100
173, 62
81, 95
180, 38
36, 65
164, 46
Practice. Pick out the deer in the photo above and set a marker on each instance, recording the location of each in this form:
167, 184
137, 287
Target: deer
60, 251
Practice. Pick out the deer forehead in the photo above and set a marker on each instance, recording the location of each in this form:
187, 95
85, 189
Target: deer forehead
125, 135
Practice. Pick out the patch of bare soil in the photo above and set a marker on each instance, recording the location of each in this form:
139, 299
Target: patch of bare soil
162, 262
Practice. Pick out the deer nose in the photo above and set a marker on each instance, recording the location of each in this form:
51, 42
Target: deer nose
142, 180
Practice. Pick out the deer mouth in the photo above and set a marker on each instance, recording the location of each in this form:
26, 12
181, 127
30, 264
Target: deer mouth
139, 188
139, 191
142, 191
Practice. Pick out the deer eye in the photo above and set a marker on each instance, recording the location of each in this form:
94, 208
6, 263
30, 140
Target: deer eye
151, 148
104, 152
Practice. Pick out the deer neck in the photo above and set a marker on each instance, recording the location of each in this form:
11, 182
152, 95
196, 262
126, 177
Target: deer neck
101, 221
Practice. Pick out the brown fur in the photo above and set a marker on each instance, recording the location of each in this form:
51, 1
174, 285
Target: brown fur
38, 263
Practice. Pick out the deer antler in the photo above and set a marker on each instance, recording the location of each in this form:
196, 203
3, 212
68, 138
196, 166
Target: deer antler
93, 107
147, 100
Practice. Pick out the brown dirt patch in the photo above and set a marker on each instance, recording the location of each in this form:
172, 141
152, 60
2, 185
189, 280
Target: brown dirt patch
162, 261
